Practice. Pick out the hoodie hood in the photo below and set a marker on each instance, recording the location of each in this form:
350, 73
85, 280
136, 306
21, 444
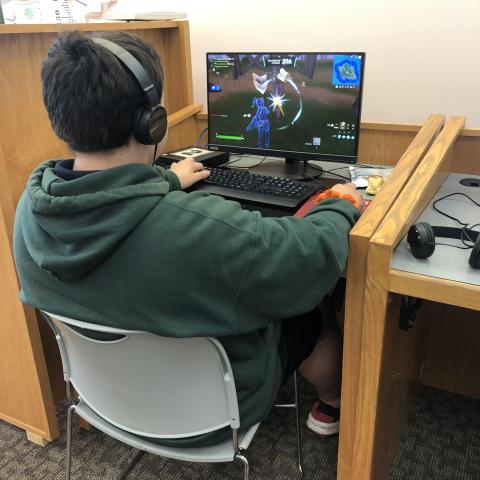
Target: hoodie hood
75, 225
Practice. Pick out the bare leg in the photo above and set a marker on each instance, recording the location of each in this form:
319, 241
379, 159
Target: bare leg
323, 368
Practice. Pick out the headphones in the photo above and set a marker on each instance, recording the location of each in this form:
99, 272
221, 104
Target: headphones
149, 124
421, 238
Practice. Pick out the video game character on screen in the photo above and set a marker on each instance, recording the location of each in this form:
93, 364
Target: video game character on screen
284, 101
260, 122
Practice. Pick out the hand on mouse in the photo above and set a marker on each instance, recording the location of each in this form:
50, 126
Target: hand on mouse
189, 172
346, 190
349, 189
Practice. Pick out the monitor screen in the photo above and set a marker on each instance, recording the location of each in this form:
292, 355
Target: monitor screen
298, 105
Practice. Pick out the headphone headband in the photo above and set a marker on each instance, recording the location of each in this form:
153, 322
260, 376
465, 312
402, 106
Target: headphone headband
454, 232
149, 123
134, 66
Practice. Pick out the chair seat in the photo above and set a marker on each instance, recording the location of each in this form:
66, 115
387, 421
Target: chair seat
222, 452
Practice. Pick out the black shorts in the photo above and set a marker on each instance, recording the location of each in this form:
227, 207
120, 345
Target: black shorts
300, 334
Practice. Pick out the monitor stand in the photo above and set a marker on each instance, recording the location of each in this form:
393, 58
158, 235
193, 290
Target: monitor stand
296, 170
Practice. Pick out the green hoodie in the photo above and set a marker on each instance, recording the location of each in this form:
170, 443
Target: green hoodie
125, 247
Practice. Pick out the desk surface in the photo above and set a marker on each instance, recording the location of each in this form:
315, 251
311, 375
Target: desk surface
446, 262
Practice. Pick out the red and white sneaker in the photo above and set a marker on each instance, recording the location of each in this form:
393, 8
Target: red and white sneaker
323, 419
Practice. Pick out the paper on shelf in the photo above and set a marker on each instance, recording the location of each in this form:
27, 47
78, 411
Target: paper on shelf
40, 11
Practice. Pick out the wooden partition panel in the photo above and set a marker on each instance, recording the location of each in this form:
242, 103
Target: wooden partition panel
359, 239
380, 144
380, 407
27, 140
181, 128
452, 355
385, 143
24, 385
466, 152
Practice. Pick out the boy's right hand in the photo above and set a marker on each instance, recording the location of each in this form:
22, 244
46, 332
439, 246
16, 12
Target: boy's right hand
349, 189
189, 172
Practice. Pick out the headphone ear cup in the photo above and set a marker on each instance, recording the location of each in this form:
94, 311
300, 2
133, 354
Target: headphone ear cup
474, 259
421, 239
149, 125
158, 124
141, 124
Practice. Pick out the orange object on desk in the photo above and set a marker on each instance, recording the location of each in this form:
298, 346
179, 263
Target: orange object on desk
316, 198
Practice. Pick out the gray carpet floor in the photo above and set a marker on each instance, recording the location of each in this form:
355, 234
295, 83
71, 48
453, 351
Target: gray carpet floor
440, 442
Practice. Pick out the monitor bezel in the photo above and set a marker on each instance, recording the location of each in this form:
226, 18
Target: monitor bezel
291, 155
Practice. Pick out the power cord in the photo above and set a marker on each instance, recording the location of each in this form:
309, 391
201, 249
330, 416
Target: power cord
315, 167
464, 235
314, 179
232, 161
247, 167
199, 139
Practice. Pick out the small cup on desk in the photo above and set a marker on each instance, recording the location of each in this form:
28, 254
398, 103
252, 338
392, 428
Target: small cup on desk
375, 183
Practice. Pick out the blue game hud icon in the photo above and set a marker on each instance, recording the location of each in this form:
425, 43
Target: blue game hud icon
213, 87
346, 70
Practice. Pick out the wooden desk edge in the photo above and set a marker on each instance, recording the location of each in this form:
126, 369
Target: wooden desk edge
435, 289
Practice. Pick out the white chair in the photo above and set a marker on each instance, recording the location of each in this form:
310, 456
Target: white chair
134, 383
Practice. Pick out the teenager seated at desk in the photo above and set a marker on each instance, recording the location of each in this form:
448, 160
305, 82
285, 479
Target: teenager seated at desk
108, 238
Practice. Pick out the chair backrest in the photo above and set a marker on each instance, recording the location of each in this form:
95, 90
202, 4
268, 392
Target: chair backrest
145, 384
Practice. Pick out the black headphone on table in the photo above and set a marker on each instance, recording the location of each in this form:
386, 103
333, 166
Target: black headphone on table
421, 236
149, 124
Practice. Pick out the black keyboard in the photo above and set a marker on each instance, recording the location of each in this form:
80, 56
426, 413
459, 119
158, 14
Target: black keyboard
264, 190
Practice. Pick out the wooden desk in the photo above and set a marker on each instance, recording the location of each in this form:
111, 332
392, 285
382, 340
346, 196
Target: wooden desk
451, 288
391, 359
356, 273
444, 277
36, 412
359, 240
28, 139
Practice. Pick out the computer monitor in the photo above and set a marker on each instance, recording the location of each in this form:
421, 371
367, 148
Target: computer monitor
301, 106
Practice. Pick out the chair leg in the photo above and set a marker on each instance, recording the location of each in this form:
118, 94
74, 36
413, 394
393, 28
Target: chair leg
71, 409
297, 413
241, 458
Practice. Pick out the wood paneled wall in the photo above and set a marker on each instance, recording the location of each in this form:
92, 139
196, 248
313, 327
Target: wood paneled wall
385, 143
